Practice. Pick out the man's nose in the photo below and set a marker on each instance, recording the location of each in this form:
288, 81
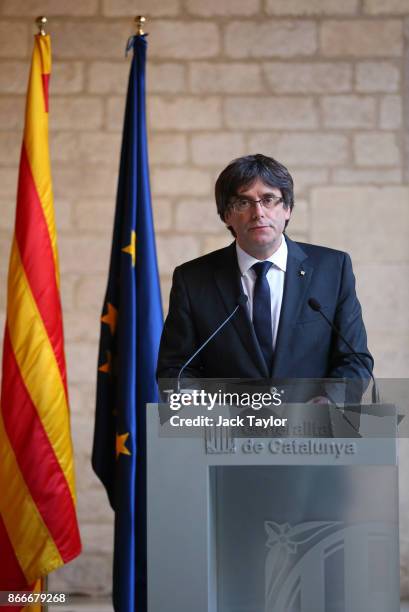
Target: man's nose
257, 209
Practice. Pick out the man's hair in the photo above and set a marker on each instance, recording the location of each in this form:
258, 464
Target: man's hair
243, 171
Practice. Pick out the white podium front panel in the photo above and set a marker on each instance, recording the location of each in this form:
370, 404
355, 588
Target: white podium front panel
268, 524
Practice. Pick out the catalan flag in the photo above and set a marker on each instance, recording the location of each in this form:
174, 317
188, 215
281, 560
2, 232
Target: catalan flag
38, 523
131, 326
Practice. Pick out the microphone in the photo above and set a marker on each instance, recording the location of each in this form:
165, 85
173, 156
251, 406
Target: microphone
241, 301
316, 306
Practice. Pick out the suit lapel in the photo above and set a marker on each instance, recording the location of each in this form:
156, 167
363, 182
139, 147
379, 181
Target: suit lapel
297, 279
227, 278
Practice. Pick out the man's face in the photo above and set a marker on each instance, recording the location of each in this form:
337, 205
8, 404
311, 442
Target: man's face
258, 230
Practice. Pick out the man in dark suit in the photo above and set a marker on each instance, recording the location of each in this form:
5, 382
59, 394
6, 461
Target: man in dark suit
275, 333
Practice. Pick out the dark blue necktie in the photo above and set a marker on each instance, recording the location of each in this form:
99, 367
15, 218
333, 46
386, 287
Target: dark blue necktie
262, 311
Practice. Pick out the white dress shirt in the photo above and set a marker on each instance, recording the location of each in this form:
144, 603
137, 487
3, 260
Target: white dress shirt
275, 278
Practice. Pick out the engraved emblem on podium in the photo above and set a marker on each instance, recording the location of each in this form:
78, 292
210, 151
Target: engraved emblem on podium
299, 557
219, 440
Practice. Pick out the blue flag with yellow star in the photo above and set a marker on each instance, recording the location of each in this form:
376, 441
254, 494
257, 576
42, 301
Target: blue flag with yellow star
131, 326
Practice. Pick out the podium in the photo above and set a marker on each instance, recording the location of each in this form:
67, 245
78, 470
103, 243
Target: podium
245, 523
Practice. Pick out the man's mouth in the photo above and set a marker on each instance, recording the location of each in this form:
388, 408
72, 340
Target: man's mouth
259, 227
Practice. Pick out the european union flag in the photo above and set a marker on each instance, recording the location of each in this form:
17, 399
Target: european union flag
131, 326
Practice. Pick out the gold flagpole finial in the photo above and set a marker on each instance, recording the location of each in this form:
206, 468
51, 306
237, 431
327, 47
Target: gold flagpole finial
41, 23
140, 21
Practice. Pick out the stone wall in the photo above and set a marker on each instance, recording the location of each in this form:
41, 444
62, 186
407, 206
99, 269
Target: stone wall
319, 84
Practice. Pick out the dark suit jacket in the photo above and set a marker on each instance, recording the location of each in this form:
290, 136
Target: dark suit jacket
206, 290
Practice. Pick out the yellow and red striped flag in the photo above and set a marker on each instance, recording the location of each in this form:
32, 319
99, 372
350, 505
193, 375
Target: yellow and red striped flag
38, 522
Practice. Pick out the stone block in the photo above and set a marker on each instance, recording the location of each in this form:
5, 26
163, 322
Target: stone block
197, 216
87, 180
354, 176
388, 304
297, 236
391, 356
125, 8
3, 295
67, 77
115, 112
304, 8
67, 290
306, 178
300, 218
33, 8
391, 7
93, 507
108, 77
63, 215
79, 253
2, 323
89, 574
349, 111
12, 113
182, 39
75, 400
84, 327
390, 113
174, 250
377, 76
361, 38
10, 148
302, 149
166, 77
247, 112
168, 149
97, 537
90, 291
8, 211
82, 430
376, 149
184, 113
348, 218
227, 8
5, 248
13, 77
79, 113
270, 38
99, 147
63, 146
8, 183
81, 361
94, 214
217, 149
302, 77
180, 181
82, 399
165, 284
97, 40
213, 243
162, 214
15, 45
206, 77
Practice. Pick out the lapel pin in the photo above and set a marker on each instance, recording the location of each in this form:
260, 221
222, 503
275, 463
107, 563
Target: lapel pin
302, 272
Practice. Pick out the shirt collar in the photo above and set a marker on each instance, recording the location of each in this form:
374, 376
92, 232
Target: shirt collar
278, 258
